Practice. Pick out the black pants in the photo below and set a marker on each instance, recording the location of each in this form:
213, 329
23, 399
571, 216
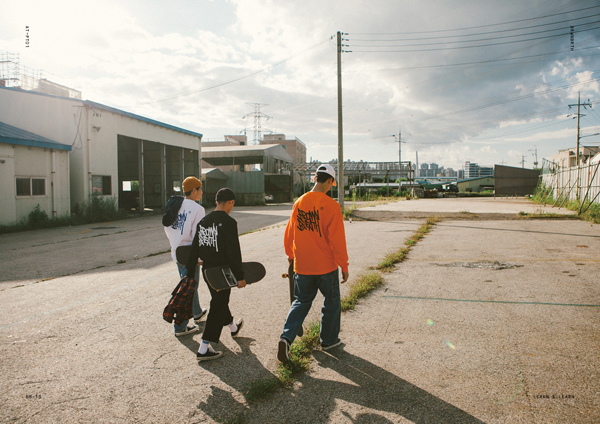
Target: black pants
219, 314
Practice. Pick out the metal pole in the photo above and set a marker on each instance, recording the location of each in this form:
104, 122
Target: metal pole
340, 180
399, 159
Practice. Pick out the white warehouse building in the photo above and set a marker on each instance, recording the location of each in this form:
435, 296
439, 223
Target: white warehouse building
136, 160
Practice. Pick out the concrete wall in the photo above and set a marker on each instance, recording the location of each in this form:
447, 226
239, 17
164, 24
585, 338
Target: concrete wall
511, 180
7, 185
26, 162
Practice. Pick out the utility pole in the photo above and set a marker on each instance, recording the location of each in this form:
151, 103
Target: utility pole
341, 190
399, 140
536, 161
579, 104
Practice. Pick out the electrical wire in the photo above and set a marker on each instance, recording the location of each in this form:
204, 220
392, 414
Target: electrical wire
467, 47
488, 32
482, 62
571, 31
479, 26
189, 93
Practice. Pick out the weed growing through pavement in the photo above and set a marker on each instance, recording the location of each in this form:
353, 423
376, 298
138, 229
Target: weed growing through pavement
588, 211
300, 352
367, 282
360, 288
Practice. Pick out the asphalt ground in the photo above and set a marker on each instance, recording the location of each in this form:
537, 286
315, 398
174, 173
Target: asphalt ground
486, 321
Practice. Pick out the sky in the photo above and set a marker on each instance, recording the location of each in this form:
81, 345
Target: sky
461, 80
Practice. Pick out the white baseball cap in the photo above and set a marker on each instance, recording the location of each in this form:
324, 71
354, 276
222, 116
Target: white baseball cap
327, 169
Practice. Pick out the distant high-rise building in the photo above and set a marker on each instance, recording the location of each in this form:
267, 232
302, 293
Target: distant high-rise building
471, 170
486, 171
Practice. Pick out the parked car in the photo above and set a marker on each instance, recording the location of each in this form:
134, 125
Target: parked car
268, 197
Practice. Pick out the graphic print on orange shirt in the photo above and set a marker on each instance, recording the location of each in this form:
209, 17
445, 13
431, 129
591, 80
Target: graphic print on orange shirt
309, 220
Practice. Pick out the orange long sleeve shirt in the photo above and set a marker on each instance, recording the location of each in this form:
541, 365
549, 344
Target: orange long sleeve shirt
315, 237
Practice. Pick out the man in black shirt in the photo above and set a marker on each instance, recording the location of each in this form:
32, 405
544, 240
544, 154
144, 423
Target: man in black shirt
217, 243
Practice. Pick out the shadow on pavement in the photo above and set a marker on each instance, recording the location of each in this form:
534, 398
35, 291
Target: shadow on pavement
316, 399
236, 370
378, 389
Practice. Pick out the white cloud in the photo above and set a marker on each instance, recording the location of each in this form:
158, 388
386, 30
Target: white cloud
135, 58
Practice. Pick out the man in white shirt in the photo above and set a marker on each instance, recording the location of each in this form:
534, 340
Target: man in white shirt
180, 221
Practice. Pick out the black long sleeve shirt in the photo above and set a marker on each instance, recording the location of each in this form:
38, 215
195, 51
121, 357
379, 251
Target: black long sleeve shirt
217, 243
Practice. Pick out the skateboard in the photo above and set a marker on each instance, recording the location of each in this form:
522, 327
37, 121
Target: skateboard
182, 254
290, 276
221, 277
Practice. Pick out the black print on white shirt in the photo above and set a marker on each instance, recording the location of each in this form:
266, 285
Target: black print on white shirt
309, 220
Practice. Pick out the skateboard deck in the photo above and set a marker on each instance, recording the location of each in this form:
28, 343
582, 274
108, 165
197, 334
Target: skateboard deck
292, 283
221, 277
182, 254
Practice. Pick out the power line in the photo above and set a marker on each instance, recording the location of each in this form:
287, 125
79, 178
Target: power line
476, 27
482, 62
489, 32
177, 96
467, 47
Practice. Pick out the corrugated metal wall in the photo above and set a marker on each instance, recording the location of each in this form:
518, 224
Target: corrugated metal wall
246, 182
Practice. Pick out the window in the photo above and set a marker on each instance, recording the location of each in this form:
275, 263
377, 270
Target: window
101, 185
31, 186
131, 185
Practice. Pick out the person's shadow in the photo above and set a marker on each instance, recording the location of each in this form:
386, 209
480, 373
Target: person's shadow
238, 371
377, 389
317, 400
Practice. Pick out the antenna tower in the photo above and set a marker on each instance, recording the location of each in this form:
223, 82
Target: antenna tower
257, 115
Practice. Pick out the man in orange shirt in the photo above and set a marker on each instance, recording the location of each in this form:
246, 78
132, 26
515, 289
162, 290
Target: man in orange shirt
316, 241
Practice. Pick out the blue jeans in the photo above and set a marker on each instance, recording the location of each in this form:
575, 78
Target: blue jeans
196, 309
306, 288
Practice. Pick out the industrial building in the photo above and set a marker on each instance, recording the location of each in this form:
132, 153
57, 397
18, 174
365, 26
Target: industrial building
111, 153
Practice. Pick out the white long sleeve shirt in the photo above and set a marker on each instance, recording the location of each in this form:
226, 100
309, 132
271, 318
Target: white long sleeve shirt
183, 230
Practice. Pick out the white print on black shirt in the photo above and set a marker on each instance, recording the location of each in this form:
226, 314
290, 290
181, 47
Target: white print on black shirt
208, 236
309, 220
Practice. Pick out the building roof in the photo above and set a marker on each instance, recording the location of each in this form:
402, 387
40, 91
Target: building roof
14, 135
109, 109
138, 117
476, 178
244, 155
214, 173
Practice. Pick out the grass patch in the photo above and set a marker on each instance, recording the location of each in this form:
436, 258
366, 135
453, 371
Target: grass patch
393, 258
98, 209
367, 282
300, 354
589, 211
262, 388
158, 253
360, 288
